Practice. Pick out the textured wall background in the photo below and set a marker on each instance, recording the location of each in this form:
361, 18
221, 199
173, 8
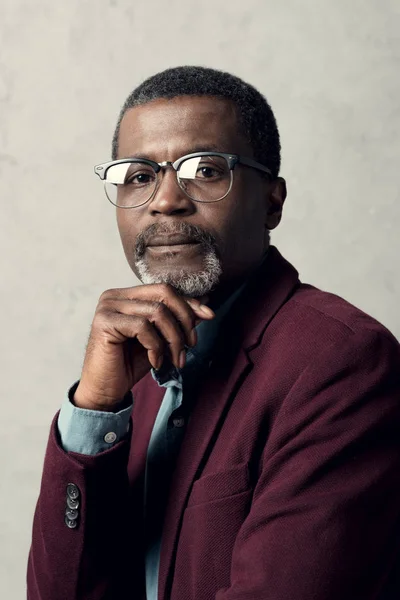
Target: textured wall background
331, 72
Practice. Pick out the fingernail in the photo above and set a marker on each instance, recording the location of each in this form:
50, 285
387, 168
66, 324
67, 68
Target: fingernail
182, 359
207, 311
160, 361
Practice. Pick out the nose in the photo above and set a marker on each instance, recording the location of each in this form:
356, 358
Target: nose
169, 198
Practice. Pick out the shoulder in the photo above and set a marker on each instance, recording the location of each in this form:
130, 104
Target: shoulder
314, 326
321, 314
320, 354
333, 310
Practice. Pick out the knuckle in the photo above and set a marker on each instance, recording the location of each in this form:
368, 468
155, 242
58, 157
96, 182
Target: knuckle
142, 324
101, 320
165, 289
176, 337
188, 317
105, 295
158, 345
159, 310
104, 307
104, 304
112, 294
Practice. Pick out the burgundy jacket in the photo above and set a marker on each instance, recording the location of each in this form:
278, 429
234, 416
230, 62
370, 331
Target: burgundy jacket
287, 485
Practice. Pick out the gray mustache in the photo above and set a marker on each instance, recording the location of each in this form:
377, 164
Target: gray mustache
195, 233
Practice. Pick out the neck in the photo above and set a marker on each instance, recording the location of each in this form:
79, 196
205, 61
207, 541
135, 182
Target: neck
226, 288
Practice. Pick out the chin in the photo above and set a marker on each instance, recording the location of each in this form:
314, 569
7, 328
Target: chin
193, 283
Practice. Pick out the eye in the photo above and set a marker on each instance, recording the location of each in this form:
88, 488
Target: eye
139, 175
140, 179
205, 171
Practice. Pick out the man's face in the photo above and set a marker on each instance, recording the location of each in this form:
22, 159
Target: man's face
229, 237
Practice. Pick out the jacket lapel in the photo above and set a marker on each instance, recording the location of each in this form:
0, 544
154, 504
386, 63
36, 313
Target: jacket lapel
241, 332
147, 398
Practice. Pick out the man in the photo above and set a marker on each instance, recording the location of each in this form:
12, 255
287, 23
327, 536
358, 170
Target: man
261, 458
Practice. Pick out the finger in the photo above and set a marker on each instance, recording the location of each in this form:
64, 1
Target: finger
185, 314
162, 318
122, 327
205, 311
188, 311
170, 328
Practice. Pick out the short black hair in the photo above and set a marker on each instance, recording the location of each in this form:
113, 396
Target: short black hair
254, 113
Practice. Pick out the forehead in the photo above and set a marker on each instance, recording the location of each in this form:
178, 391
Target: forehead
165, 129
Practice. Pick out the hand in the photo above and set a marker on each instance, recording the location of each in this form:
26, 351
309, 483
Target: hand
133, 330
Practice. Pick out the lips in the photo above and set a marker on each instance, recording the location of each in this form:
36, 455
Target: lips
171, 240
173, 246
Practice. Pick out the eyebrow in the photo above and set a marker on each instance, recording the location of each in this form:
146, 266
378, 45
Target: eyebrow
202, 148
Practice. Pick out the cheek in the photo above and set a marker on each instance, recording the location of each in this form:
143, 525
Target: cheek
219, 220
125, 224
242, 225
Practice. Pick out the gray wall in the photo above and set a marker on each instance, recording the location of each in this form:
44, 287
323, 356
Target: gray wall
331, 72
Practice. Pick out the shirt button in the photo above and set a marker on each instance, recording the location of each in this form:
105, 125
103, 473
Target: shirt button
70, 524
110, 437
72, 491
178, 422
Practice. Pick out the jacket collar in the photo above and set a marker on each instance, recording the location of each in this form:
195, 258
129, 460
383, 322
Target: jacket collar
268, 289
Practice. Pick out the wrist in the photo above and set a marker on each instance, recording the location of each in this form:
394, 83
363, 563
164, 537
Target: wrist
86, 401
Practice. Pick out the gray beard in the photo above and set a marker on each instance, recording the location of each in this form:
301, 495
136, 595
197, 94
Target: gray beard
187, 284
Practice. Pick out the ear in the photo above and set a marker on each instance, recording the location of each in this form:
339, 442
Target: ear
276, 198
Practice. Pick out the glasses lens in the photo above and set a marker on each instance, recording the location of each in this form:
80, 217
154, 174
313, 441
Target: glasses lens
130, 184
205, 178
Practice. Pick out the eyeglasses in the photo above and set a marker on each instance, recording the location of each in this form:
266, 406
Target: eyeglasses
202, 176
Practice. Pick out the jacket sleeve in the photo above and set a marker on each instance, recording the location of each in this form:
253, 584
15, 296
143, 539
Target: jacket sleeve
325, 516
92, 555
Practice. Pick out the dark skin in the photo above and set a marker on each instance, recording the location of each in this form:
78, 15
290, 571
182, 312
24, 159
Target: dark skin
136, 328
167, 129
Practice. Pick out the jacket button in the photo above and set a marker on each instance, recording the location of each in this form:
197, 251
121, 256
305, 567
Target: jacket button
71, 523
72, 491
71, 514
74, 504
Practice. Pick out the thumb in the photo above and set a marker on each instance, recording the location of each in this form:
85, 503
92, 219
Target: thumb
200, 308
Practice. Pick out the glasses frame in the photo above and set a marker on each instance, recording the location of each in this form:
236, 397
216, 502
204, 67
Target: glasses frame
232, 160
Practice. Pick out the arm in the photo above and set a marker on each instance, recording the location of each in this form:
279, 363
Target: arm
101, 558
325, 518
89, 560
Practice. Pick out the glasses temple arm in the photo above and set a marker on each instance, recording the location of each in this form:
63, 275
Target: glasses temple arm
252, 163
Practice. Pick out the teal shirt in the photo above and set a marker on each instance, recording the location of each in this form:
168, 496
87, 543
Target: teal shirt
92, 432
